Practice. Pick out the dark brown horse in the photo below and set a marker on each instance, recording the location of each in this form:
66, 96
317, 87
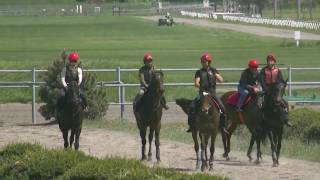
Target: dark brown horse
276, 113
206, 124
150, 113
71, 116
252, 117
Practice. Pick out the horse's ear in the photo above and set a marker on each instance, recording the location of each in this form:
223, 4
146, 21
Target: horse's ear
161, 72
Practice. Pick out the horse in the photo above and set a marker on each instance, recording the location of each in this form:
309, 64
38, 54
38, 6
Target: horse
206, 125
251, 116
71, 115
276, 112
150, 113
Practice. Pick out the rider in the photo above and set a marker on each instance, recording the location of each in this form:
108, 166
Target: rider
168, 16
205, 80
145, 73
271, 75
248, 82
72, 72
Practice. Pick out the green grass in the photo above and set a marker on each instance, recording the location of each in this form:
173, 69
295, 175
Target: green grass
292, 146
32, 161
109, 42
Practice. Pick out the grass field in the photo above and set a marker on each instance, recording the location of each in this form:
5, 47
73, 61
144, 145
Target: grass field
108, 42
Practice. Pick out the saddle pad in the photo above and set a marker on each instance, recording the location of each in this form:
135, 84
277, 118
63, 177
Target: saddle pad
233, 99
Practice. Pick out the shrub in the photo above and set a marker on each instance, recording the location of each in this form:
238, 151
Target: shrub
97, 102
306, 125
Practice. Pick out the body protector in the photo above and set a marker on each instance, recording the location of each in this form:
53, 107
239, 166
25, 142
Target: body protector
207, 80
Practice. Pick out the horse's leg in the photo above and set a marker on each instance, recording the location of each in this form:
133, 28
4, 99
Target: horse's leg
250, 147
212, 149
204, 141
279, 146
76, 143
196, 147
150, 143
65, 138
73, 131
273, 149
258, 141
228, 144
157, 142
143, 142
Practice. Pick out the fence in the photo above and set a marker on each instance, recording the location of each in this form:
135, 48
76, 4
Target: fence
122, 85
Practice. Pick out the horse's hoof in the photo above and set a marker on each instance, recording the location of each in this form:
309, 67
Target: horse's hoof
250, 158
211, 168
275, 164
149, 159
257, 161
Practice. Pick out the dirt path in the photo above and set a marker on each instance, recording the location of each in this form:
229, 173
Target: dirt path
256, 30
174, 155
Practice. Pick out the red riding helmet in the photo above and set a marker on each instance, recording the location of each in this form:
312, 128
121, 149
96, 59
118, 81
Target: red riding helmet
73, 57
147, 57
271, 57
206, 57
253, 64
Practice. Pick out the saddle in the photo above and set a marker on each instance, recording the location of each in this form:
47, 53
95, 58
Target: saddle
233, 99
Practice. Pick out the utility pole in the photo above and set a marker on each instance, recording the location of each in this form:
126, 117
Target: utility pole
299, 9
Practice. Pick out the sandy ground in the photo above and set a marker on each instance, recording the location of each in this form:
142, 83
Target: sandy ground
256, 30
174, 155
15, 126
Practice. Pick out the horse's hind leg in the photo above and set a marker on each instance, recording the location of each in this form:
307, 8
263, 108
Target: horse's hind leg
150, 144
250, 148
273, 149
76, 143
143, 142
65, 138
258, 141
157, 142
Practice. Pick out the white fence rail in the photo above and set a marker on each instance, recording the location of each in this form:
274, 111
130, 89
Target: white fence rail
118, 82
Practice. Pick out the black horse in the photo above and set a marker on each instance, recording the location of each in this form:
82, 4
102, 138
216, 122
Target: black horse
150, 113
276, 113
71, 115
251, 116
206, 126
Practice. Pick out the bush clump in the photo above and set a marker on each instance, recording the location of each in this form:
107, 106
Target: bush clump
306, 125
28, 161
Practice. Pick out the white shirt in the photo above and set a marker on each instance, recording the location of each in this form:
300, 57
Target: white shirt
63, 76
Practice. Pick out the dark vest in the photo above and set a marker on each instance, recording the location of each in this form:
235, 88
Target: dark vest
147, 73
207, 80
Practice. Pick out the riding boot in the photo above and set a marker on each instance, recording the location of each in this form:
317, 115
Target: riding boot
286, 122
164, 103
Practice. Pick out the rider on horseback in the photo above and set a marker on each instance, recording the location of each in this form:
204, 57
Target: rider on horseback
271, 76
145, 73
248, 82
72, 72
205, 80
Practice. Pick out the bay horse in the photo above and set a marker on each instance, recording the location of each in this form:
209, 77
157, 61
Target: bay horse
276, 112
150, 113
251, 116
71, 116
206, 126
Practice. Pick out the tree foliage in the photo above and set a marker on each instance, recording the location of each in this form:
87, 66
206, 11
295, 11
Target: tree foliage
50, 92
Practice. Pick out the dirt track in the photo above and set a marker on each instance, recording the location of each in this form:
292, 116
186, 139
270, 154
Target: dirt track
175, 155
256, 30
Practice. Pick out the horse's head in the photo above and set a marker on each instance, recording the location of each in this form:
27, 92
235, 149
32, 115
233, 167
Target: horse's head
73, 94
205, 102
277, 91
156, 83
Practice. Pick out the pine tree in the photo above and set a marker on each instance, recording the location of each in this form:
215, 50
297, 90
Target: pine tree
50, 92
